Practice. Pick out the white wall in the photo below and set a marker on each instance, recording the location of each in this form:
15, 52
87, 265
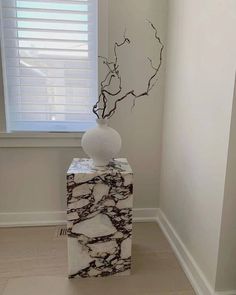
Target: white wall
33, 179
141, 128
226, 270
197, 114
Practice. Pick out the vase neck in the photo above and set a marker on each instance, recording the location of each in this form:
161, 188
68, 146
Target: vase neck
102, 122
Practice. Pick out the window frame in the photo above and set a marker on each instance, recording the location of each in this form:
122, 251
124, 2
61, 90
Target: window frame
51, 139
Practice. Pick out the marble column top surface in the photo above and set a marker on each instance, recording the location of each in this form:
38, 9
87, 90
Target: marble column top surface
86, 166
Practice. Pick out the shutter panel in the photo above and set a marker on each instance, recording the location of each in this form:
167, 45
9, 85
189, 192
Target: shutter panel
49, 53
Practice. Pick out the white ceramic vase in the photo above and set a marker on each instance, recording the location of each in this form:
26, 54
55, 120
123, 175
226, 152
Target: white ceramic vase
101, 143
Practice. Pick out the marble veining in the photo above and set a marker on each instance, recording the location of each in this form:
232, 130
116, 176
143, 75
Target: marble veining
99, 214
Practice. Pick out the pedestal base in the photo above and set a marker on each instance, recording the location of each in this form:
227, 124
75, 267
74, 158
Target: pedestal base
99, 219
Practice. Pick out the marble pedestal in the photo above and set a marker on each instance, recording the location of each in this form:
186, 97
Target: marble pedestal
99, 214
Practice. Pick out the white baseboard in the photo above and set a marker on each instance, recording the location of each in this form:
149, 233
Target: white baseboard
17, 219
232, 292
144, 214
189, 265
195, 275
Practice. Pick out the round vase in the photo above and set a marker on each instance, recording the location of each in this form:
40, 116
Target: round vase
101, 143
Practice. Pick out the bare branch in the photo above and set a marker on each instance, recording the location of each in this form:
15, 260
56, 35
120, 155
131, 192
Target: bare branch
113, 73
150, 83
151, 63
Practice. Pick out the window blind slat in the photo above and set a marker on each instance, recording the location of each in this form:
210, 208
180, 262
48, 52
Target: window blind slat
50, 73
34, 90
50, 31
49, 51
46, 25
45, 54
75, 11
49, 20
21, 33
58, 43
54, 100
11, 3
55, 63
61, 126
51, 104
67, 14
52, 82
26, 15
80, 49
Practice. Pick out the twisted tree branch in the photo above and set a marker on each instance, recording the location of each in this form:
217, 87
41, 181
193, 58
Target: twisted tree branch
113, 73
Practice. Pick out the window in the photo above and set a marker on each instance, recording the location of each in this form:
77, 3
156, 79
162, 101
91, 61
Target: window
49, 55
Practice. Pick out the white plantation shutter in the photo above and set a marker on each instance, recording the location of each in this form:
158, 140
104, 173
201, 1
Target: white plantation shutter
49, 53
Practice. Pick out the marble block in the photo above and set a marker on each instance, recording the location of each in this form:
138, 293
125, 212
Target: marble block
99, 218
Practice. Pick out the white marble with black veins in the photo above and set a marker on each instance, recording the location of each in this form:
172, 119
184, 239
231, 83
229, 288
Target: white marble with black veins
99, 214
